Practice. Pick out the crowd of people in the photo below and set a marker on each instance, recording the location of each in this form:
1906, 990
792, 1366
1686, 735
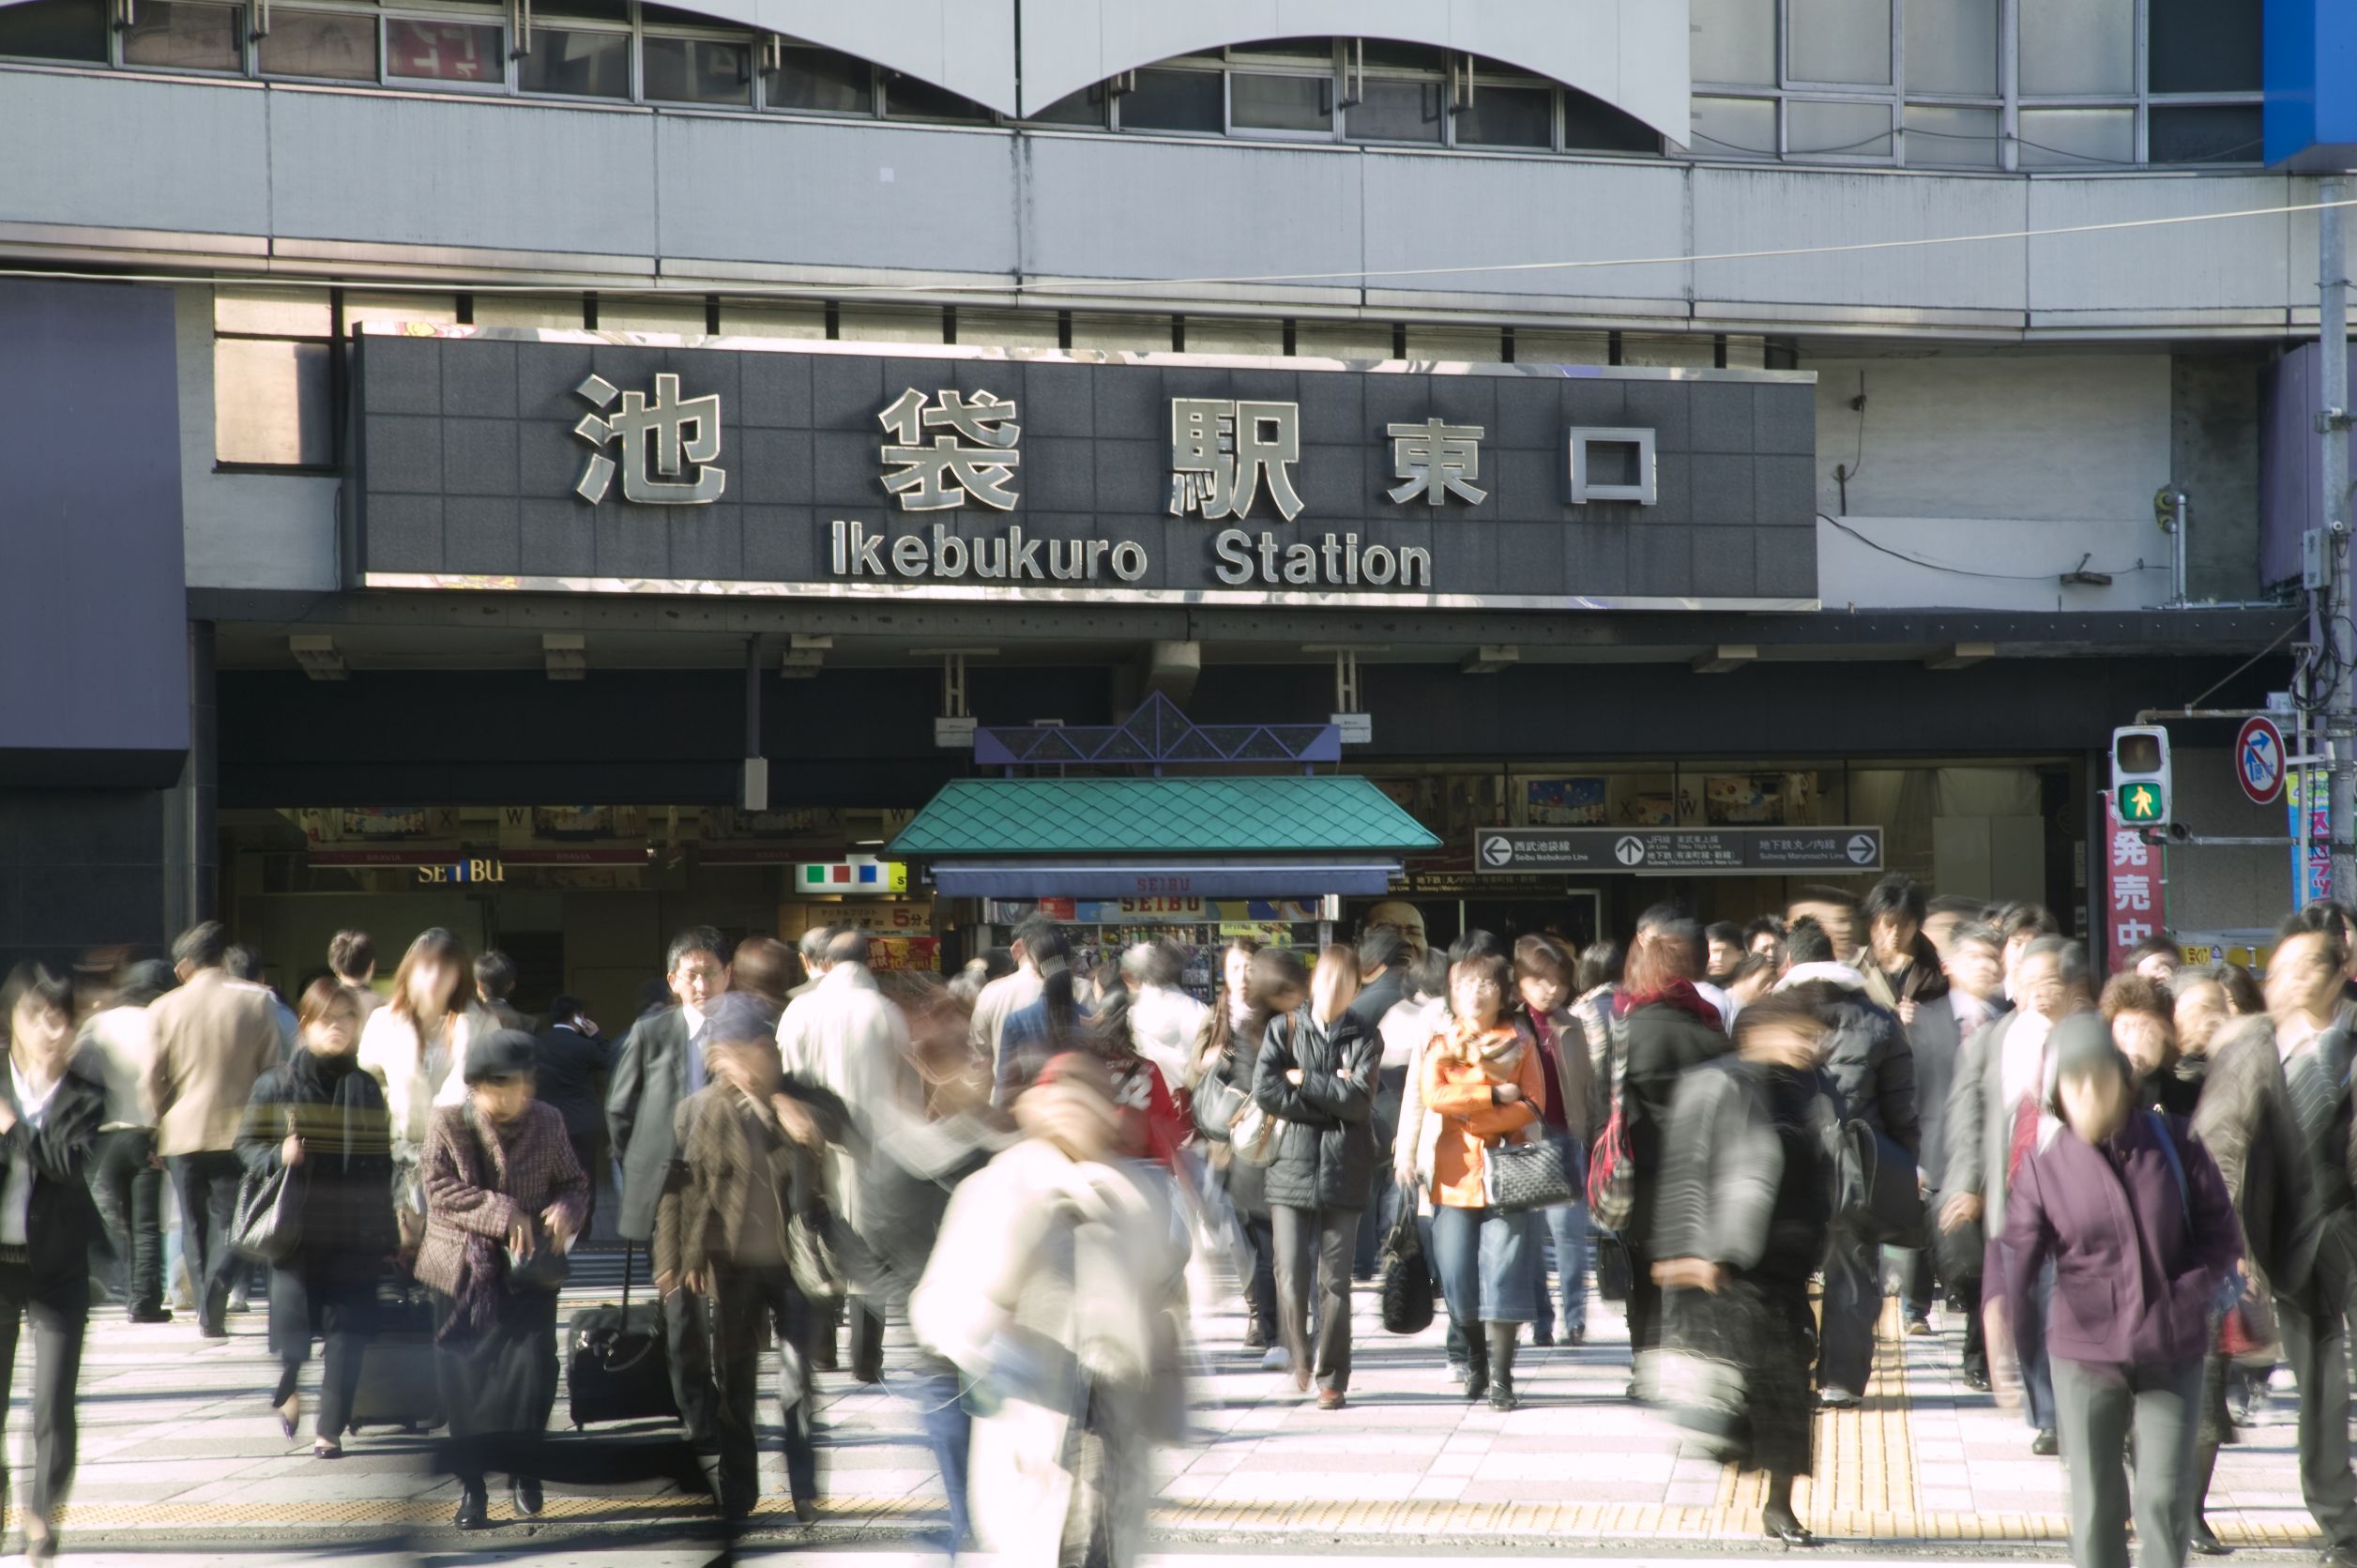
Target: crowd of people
1014, 1186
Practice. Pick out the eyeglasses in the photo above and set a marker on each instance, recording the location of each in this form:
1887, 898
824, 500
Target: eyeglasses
1484, 987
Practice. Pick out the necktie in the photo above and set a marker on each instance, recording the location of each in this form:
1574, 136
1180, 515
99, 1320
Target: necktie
695, 1058
2025, 1138
2311, 1093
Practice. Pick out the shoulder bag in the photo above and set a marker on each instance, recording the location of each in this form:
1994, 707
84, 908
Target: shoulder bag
1612, 1175
1405, 1276
1877, 1195
270, 1215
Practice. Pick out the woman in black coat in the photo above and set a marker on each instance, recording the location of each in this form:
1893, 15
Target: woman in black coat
49, 1124
1671, 1028
1317, 1072
322, 1114
1226, 1053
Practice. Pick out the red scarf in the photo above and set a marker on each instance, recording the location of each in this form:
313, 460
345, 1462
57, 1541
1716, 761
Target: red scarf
1679, 994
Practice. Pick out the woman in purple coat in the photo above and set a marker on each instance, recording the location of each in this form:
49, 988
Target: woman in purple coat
2135, 1217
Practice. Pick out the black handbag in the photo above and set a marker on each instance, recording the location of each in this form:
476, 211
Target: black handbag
270, 1223
1960, 1250
1405, 1277
1612, 1267
1516, 1177
1877, 1195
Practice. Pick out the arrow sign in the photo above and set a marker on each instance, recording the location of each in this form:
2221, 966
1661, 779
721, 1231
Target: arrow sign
2259, 760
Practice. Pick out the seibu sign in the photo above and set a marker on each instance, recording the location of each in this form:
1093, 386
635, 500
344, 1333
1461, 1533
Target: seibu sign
559, 461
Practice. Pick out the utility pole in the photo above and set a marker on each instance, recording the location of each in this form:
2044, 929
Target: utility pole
2340, 712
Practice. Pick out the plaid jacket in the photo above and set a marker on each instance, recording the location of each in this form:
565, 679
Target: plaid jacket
477, 1186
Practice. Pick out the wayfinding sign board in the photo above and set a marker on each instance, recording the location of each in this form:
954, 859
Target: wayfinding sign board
1680, 851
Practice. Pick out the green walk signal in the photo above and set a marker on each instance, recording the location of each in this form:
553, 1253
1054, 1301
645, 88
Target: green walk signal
2141, 804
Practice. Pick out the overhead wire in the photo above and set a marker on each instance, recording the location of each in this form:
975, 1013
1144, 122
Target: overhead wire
1968, 571
1065, 286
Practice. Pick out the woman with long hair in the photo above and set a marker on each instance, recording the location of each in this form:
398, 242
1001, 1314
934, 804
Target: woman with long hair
1483, 1087
413, 1046
1667, 1027
1544, 980
320, 1114
1227, 1054
1317, 1073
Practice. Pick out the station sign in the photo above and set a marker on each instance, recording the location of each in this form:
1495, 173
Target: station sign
1680, 851
550, 461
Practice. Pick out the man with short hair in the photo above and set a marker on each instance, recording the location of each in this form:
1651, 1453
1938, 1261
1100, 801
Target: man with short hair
661, 1064
813, 950
1997, 1117
573, 1060
494, 978
1830, 907
213, 1037
1867, 1055
1974, 967
352, 957
1724, 941
1010, 993
2313, 1279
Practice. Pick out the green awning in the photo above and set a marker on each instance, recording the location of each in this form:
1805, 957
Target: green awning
1275, 836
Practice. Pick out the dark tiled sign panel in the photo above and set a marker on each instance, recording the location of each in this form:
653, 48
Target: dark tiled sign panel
472, 468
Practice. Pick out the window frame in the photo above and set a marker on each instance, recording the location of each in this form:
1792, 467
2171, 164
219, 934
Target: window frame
338, 382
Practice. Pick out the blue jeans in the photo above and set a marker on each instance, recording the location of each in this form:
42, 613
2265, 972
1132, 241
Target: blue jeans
1483, 1273
1563, 1231
949, 1432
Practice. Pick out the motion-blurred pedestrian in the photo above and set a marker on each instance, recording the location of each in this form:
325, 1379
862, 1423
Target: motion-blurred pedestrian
115, 1050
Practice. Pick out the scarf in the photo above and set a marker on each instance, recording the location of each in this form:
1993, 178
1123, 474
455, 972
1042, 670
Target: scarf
1677, 994
1496, 1051
337, 1109
483, 1260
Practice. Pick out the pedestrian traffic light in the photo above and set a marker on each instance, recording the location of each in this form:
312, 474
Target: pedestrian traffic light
2139, 775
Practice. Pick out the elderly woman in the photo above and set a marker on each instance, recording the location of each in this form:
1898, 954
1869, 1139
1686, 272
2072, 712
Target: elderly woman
2135, 1219
501, 1185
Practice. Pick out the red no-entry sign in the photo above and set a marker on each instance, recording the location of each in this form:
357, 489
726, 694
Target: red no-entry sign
2259, 760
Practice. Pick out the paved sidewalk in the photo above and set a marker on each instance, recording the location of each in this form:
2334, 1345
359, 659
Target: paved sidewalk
179, 1445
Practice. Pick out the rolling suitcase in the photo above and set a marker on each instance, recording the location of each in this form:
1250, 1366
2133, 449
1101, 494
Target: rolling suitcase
617, 1360
397, 1385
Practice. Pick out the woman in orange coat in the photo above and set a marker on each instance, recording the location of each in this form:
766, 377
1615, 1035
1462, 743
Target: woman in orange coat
1484, 1085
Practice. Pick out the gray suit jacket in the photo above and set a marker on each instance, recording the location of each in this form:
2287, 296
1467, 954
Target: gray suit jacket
1938, 1041
1979, 1130
648, 1081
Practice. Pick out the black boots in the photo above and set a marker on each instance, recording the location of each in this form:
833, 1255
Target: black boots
1501, 1364
474, 1505
1476, 1366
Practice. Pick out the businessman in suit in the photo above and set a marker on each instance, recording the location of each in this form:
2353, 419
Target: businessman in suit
660, 1065
1974, 962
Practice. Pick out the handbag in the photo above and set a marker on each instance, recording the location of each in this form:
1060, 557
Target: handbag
1518, 1176
813, 1256
1254, 1134
1612, 1175
548, 1268
1405, 1277
1613, 1274
270, 1223
1876, 1195
1694, 1375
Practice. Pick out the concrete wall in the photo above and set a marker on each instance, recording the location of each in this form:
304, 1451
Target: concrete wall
2214, 446
242, 531
2002, 472
249, 176
2223, 888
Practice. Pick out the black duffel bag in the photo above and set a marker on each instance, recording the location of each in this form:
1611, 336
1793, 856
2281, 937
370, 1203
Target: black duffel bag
1877, 1195
617, 1360
1405, 1273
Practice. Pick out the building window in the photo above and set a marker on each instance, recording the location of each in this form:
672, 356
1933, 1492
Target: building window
820, 82
576, 63
337, 45
906, 98
54, 30
1508, 117
274, 378
175, 34
697, 70
1188, 100
1269, 103
468, 52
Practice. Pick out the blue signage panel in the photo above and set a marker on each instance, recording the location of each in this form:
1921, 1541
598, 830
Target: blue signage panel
2311, 121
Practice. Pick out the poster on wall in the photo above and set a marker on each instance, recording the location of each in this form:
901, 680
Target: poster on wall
1565, 803
2135, 904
